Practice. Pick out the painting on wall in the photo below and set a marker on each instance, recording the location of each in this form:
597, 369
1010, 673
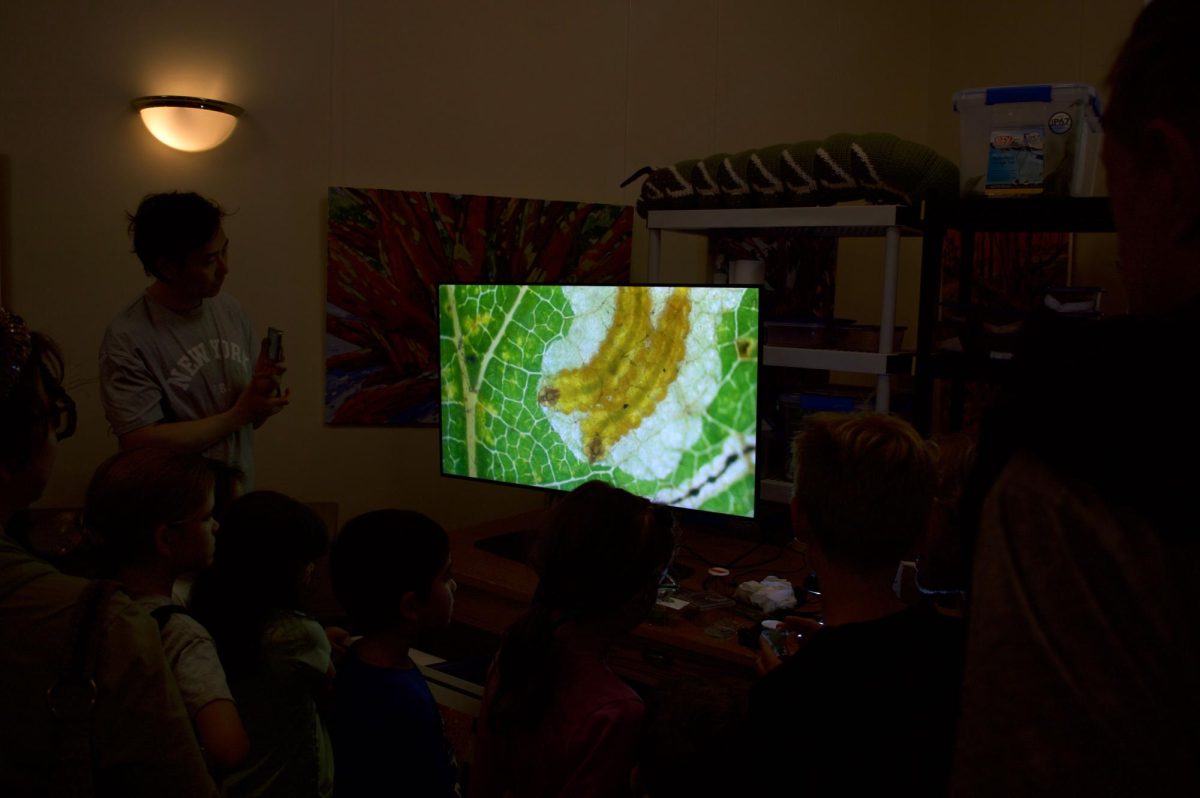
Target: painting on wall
389, 250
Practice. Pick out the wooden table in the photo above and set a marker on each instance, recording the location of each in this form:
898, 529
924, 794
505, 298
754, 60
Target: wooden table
494, 590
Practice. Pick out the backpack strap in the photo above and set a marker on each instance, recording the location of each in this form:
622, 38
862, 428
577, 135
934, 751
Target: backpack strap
72, 698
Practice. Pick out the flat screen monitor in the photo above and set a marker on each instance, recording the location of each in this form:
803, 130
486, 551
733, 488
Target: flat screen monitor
653, 389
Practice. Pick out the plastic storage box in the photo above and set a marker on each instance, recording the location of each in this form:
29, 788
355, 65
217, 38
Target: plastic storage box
1029, 140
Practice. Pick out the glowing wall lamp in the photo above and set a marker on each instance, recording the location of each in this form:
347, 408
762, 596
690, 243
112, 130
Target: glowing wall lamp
191, 124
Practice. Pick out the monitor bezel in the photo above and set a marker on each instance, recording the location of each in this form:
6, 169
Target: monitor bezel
758, 408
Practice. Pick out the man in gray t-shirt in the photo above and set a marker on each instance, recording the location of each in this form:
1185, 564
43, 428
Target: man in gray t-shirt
179, 367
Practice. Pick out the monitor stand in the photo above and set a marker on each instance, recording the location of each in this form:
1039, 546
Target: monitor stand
517, 544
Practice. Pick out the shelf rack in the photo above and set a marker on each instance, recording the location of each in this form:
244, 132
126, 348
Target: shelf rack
891, 222
971, 216
842, 221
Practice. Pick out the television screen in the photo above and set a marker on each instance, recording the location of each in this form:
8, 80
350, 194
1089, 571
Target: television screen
650, 388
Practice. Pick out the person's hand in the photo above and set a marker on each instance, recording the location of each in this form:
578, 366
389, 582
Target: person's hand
258, 402
262, 398
267, 372
767, 660
800, 628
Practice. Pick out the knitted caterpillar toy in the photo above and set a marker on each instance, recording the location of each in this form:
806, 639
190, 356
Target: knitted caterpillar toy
877, 167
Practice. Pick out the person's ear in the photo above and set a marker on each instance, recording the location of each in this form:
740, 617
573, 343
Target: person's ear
165, 268
802, 528
410, 607
1174, 157
162, 540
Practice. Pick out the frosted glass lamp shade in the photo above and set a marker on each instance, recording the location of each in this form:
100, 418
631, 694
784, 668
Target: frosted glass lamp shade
191, 124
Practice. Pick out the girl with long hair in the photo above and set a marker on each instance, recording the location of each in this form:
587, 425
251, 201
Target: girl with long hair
276, 658
555, 719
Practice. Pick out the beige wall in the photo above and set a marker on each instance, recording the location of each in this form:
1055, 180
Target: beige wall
544, 98
1029, 41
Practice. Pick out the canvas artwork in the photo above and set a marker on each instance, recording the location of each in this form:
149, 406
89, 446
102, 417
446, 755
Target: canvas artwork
389, 250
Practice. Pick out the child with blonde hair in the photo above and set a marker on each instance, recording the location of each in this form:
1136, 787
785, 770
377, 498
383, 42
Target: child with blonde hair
876, 688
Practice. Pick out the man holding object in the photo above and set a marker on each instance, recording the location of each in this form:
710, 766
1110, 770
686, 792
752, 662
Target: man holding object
176, 365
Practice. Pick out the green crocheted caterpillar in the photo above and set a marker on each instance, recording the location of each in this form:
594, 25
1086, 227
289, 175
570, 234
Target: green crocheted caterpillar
877, 167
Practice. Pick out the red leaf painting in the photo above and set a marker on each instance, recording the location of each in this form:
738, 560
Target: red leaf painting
388, 250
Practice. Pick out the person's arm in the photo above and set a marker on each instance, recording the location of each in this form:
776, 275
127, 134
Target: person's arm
201, 681
189, 436
254, 406
132, 397
145, 744
222, 735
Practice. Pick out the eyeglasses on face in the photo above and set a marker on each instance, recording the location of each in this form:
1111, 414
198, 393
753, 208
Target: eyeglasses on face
60, 413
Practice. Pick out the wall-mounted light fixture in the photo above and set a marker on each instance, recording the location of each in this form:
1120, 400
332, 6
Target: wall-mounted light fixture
191, 124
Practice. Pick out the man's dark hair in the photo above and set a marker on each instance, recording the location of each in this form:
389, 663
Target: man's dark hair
169, 226
378, 557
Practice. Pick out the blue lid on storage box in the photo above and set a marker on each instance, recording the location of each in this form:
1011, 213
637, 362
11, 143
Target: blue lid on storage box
1027, 140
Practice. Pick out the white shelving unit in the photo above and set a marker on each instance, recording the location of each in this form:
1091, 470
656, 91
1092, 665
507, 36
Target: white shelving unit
890, 222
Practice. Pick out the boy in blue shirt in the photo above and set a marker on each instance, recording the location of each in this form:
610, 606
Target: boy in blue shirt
391, 572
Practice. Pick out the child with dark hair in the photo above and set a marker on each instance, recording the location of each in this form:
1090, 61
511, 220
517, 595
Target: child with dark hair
153, 512
277, 658
555, 719
391, 572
